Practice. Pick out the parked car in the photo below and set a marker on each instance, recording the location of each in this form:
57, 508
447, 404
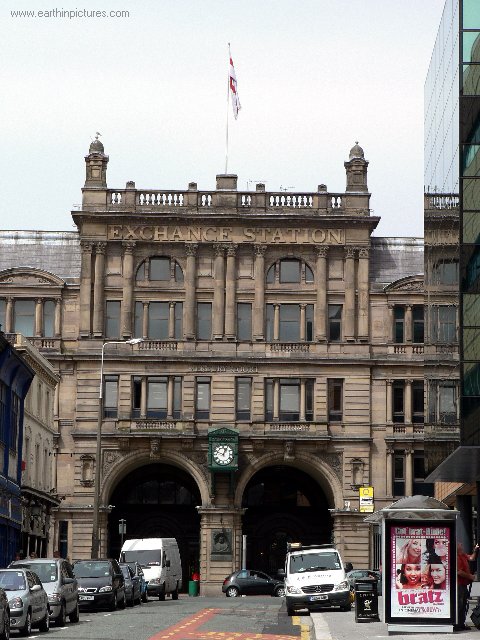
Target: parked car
60, 584
4, 616
100, 584
357, 574
138, 571
27, 599
251, 582
132, 585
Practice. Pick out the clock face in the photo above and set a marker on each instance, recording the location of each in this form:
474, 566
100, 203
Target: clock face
223, 454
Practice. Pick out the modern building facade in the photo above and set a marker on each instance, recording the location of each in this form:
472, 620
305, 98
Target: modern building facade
280, 368
15, 378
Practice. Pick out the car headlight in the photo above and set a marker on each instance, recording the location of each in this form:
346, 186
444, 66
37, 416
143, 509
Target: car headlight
107, 587
16, 603
342, 586
55, 598
154, 581
294, 590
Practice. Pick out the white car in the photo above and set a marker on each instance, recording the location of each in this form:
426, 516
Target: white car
27, 599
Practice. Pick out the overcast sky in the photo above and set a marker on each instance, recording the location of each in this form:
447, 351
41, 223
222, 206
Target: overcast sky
313, 77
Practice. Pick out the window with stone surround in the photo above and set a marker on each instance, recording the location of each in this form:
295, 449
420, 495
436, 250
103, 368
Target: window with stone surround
112, 319
443, 324
110, 396
399, 326
289, 322
418, 324
244, 321
418, 402
399, 474
158, 319
204, 320
442, 401
335, 322
243, 398
285, 400
158, 269
25, 314
24, 317
398, 401
335, 399
289, 271
202, 397
156, 397
445, 272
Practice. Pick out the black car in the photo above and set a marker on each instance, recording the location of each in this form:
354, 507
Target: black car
4, 616
133, 593
100, 584
250, 582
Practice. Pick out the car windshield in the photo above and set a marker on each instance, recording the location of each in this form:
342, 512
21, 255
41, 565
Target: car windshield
145, 557
46, 571
12, 580
125, 572
91, 569
324, 561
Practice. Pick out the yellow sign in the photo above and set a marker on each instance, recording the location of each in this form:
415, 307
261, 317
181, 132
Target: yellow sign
365, 495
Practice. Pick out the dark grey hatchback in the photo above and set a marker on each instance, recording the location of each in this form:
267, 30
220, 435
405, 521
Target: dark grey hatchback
100, 584
247, 582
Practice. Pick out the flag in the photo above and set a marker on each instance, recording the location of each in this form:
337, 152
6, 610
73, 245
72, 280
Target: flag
233, 89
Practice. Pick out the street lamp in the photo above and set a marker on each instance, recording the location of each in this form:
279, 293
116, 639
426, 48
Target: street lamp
96, 497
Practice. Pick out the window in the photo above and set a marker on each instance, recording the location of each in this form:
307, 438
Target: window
420, 487
112, 319
160, 269
444, 321
418, 411
334, 322
157, 397
163, 397
202, 398
178, 321
244, 321
399, 327
15, 422
136, 396
204, 321
24, 317
289, 271
289, 323
399, 475
290, 320
243, 398
443, 402
445, 272
138, 320
49, 319
335, 400
284, 396
398, 392
158, 316
417, 317
110, 403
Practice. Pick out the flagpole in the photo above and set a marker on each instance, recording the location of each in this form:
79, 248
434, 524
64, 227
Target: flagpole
228, 100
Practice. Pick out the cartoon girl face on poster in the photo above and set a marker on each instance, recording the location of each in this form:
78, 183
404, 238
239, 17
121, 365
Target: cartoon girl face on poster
420, 572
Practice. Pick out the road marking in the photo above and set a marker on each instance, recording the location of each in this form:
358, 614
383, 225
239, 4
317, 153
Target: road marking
322, 632
304, 628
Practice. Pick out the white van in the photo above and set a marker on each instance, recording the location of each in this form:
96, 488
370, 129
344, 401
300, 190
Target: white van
160, 561
315, 578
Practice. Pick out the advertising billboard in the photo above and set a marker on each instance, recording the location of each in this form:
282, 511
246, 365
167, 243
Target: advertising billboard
420, 574
365, 496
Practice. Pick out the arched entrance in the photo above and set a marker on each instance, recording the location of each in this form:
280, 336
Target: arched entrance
283, 504
158, 501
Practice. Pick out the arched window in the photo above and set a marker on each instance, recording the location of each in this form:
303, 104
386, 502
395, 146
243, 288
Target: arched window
289, 271
160, 269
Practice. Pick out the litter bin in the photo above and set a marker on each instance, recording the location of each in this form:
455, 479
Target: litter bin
193, 588
366, 600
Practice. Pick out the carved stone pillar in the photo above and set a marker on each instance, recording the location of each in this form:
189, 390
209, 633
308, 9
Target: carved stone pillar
143, 398
389, 401
302, 322
98, 289
349, 308
230, 293
58, 318
190, 302
9, 316
321, 303
85, 288
38, 318
127, 298
363, 294
408, 402
408, 323
302, 399
409, 470
170, 398
171, 320
276, 399
219, 292
276, 321
259, 301
145, 321
389, 472
391, 324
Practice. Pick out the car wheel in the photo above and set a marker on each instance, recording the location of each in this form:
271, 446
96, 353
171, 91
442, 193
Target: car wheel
145, 596
131, 602
232, 592
347, 607
175, 593
123, 603
26, 630
44, 625
61, 619
161, 595
279, 592
114, 603
75, 615
5, 635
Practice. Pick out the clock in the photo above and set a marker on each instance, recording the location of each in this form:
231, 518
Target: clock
222, 454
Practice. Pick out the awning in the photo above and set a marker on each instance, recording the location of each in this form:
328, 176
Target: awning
463, 465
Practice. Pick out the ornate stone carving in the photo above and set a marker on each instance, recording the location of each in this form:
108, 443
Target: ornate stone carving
124, 444
86, 246
128, 247
260, 249
154, 447
100, 247
321, 251
187, 444
231, 250
86, 462
219, 250
350, 252
191, 248
363, 252
109, 459
289, 450
334, 461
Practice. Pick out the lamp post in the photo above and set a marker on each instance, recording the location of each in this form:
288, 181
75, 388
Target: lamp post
96, 497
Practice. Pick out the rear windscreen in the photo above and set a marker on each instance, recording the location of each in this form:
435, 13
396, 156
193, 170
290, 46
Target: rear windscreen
145, 557
324, 561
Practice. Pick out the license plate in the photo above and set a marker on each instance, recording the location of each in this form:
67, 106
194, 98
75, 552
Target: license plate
312, 598
86, 597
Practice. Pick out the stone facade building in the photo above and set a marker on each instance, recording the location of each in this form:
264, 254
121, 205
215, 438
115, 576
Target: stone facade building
275, 320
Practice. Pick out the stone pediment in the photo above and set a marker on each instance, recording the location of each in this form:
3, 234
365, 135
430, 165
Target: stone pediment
29, 276
410, 283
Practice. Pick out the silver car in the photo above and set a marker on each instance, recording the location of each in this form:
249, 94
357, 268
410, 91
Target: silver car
60, 584
27, 599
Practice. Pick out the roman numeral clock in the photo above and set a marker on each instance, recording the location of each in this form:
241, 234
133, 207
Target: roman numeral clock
223, 453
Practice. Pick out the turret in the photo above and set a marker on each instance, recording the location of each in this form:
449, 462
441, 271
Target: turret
356, 169
96, 169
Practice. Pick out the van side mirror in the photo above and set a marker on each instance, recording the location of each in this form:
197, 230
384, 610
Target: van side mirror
167, 563
281, 573
348, 567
